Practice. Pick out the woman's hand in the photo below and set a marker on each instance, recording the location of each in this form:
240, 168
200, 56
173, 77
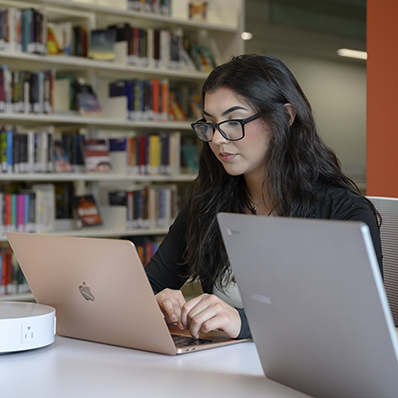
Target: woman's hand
208, 312
171, 302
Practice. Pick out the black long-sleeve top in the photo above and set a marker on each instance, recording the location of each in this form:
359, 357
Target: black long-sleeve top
164, 269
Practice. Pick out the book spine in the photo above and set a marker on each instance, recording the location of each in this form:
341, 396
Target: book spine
2, 274
32, 223
10, 151
23, 152
34, 92
3, 151
130, 210
2, 94
16, 91
48, 91
131, 99
7, 88
154, 154
40, 94
141, 154
155, 100
16, 153
27, 85
26, 211
164, 92
2, 24
7, 213
21, 227
156, 48
13, 212
2, 230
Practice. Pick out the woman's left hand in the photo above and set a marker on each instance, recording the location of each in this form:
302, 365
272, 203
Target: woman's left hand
208, 312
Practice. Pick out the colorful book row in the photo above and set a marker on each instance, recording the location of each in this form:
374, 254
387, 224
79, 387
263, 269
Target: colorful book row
26, 92
156, 48
148, 207
152, 6
146, 99
30, 152
12, 280
146, 248
154, 154
31, 211
23, 30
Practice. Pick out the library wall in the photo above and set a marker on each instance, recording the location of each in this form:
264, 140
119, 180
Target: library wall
382, 86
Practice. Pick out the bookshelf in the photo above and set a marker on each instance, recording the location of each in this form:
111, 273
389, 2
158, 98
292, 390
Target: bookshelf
220, 32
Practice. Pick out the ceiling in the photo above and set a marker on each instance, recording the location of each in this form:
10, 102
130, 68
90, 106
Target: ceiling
313, 27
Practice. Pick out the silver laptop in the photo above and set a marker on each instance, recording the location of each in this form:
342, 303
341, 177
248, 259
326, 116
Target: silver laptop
316, 305
101, 293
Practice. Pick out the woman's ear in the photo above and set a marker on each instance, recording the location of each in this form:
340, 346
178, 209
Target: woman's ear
291, 112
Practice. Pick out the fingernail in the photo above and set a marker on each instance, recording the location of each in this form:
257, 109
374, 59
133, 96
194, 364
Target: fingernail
174, 318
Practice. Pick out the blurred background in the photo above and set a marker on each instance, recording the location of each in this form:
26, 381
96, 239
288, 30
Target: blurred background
306, 35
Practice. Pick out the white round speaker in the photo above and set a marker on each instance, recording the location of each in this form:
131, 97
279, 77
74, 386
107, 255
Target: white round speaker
25, 326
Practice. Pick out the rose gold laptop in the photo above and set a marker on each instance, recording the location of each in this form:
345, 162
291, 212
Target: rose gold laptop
100, 292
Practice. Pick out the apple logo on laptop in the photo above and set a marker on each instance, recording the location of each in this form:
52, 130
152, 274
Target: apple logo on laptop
86, 292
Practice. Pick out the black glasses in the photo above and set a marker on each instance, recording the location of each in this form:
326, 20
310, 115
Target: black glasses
232, 130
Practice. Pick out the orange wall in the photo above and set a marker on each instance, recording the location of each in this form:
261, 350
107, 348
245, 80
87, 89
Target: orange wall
382, 98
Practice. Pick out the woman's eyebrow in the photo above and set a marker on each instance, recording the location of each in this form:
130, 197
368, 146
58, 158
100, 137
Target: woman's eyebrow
229, 110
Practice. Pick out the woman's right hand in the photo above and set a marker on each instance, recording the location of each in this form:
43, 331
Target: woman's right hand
170, 302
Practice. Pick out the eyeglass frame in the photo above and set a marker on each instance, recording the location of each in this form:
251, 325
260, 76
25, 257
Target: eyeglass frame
217, 125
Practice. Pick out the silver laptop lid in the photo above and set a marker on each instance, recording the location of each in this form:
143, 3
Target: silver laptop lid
316, 304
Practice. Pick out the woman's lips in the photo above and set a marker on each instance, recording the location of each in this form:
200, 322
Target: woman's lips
226, 157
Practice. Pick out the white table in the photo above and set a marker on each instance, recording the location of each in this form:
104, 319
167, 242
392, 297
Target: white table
75, 368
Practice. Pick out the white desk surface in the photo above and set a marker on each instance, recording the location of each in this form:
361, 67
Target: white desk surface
75, 368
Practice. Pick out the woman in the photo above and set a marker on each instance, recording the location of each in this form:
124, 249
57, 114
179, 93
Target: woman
261, 155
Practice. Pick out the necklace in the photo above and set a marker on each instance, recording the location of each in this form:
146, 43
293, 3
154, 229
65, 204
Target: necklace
252, 205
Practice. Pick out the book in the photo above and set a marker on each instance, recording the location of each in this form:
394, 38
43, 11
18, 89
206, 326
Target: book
87, 100
102, 44
203, 58
96, 155
13, 38
195, 105
190, 157
17, 91
74, 149
45, 207
61, 159
198, 10
175, 109
86, 211
80, 41
59, 38
48, 91
63, 200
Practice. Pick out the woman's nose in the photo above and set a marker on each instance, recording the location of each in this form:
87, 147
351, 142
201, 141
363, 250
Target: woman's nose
218, 138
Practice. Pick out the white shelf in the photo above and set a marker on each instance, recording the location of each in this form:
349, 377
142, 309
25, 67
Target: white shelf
61, 119
103, 232
17, 297
94, 177
161, 20
65, 62
98, 232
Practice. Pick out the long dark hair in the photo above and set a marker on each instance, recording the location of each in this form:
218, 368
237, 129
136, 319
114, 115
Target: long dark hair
297, 158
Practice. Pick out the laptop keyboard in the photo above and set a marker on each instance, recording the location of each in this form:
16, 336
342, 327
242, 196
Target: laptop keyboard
185, 341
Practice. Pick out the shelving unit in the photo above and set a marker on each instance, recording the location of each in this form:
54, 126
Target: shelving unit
222, 31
